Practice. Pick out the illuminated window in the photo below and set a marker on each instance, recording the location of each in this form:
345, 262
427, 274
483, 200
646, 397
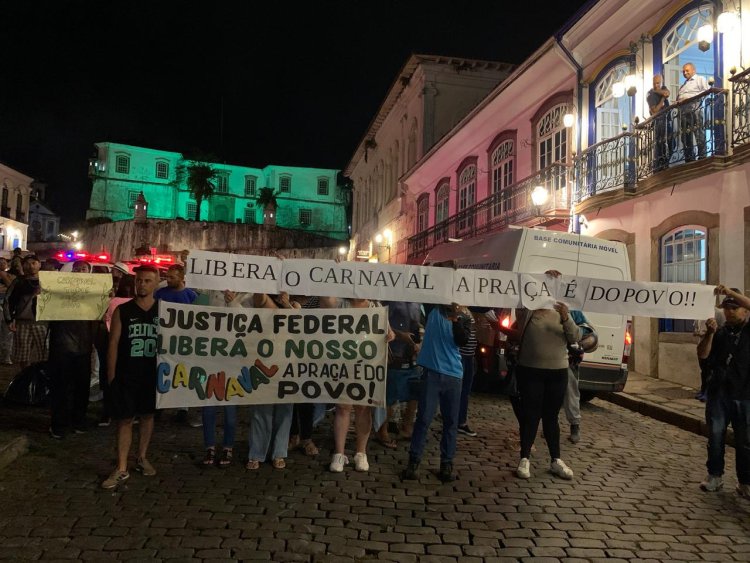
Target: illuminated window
222, 181
122, 164
162, 170
132, 198
322, 186
285, 184
611, 113
305, 217
250, 182
684, 259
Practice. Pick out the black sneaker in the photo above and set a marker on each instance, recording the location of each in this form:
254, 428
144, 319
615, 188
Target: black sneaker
446, 473
410, 473
467, 431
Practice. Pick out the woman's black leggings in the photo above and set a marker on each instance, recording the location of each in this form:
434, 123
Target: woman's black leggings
542, 393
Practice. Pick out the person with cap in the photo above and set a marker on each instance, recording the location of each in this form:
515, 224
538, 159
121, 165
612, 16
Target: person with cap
727, 354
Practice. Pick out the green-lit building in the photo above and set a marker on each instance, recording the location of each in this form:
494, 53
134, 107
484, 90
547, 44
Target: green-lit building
308, 199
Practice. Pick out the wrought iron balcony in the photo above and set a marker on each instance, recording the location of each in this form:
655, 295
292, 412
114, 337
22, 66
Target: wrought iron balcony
605, 166
512, 205
683, 132
741, 108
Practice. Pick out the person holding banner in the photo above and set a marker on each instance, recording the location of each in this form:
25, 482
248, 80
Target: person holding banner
70, 346
303, 414
270, 424
131, 370
445, 331
542, 375
230, 299
726, 351
176, 291
342, 416
404, 318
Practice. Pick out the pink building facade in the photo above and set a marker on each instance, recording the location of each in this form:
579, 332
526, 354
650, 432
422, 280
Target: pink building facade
568, 142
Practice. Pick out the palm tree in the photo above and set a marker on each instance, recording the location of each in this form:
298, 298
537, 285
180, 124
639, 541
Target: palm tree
200, 178
267, 200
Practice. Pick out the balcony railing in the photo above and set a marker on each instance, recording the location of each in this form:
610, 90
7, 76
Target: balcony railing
686, 131
508, 206
606, 166
741, 108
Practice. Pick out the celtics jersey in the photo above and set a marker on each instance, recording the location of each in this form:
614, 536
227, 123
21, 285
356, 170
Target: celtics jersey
136, 352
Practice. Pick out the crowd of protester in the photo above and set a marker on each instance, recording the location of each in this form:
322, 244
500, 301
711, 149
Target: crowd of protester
431, 366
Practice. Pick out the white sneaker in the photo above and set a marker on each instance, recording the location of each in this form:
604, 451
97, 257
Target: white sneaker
558, 467
338, 461
712, 483
360, 462
524, 469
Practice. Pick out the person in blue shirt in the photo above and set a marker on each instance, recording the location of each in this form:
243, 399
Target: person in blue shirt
176, 291
441, 385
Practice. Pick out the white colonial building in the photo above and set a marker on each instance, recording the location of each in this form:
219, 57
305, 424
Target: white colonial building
14, 208
572, 126
428, 97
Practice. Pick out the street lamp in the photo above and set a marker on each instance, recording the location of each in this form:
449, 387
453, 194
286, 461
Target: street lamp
539, 196
705, 35
630, 84
385, 240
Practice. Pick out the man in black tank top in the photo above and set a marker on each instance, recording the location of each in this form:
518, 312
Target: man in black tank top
131, 371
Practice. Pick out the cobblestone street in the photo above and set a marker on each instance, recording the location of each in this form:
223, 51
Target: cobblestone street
635, 497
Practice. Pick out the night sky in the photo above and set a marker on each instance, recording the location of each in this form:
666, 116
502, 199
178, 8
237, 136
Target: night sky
299, 83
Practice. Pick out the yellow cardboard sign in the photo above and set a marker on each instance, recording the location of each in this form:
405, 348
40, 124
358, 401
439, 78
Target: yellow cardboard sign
69, 296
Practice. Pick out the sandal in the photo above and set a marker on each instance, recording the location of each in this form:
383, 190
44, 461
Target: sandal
226, 457
293, 442
279, 463
310, 448
252, 465
210, 457
387, 443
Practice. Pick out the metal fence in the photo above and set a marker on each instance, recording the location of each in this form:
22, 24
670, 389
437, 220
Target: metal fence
683, 132
741, 108
508, 206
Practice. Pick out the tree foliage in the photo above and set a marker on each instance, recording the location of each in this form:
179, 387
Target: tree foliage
266, 198
200, 178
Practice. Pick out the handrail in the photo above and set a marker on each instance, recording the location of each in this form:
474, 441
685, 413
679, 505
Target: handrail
681, 103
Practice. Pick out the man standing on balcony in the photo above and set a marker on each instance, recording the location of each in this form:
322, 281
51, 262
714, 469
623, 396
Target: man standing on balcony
657, 100
691, 114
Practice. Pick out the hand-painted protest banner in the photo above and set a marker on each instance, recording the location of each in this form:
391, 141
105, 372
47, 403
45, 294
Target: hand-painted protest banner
484, 288
69, 296
223, 356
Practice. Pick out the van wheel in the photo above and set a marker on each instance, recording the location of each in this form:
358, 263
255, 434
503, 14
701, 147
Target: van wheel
586, 396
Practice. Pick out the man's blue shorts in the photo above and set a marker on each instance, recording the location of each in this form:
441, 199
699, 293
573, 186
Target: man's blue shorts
402, 385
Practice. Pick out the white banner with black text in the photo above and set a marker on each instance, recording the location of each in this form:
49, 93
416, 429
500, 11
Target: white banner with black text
424, 284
